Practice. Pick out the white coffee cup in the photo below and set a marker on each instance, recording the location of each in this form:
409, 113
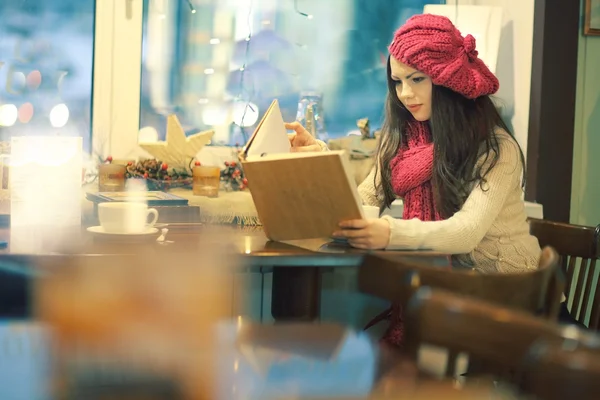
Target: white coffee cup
370, 212
126, 217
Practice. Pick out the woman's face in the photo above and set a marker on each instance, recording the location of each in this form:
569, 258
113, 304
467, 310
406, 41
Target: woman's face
413, 89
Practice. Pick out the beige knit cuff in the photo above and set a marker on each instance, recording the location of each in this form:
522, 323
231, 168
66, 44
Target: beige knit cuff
322, 144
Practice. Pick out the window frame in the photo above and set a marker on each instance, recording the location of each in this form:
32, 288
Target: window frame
117, 78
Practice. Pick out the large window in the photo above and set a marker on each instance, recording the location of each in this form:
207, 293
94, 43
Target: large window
112, 70
46, 57
218, 64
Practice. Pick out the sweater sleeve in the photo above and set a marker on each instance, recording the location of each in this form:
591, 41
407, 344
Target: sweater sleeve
368, 192
322, 145
462, 232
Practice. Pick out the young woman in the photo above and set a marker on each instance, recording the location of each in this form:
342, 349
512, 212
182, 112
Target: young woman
447, 153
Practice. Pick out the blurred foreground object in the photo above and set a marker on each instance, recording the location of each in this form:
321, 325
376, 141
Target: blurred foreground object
147, 319
294, 361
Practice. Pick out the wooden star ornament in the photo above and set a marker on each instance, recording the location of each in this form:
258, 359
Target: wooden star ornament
178, 150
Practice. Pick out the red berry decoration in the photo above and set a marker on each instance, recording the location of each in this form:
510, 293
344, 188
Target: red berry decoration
158, 174
197, 163
109, 159
233, 176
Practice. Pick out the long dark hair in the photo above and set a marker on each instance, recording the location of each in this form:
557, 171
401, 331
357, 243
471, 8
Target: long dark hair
462, 131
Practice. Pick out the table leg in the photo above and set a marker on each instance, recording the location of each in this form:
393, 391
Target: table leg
296, 294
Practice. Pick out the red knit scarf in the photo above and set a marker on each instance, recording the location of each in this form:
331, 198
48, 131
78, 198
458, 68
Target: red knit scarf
411, 173
412, 169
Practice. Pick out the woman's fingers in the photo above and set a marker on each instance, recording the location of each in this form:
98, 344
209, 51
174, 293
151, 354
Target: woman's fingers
355, 224
296, 127
359, 243
352, 233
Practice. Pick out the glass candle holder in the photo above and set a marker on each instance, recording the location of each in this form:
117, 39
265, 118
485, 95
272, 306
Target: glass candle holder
206, 181
111, 178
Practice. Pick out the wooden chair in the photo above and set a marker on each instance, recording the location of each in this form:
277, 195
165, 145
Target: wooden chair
499, 338
578, 248
562, 370
534, 291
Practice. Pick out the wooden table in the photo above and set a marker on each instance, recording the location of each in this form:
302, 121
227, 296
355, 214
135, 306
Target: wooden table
296, 266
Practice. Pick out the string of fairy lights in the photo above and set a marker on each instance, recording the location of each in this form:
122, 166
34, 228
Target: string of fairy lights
297, 10
191, 6
248, 105
243, 73
243, 93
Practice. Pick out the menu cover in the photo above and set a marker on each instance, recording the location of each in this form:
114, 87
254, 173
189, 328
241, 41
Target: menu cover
303, 195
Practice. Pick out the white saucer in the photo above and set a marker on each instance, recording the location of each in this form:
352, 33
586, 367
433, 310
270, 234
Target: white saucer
99, 230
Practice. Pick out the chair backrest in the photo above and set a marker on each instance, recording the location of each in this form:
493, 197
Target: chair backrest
578, 247
532, 291
559, 370
496, 337
487, 331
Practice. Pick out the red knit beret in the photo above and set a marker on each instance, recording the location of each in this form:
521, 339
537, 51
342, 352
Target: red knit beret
433, 45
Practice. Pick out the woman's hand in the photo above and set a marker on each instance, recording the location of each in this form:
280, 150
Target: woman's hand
372, 234
301, 139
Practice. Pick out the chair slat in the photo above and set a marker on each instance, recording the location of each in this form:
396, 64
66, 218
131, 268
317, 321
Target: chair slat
451, 364
564, 263
595, 313
573, 243
578, 296
572, 262
588, 293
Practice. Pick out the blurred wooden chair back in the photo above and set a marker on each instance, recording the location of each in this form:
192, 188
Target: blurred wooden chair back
498, 337
534, 291
578, 249
568, 369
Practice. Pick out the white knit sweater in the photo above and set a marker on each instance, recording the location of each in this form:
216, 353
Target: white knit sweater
489, 233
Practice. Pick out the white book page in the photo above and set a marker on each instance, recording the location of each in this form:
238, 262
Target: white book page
271, 137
